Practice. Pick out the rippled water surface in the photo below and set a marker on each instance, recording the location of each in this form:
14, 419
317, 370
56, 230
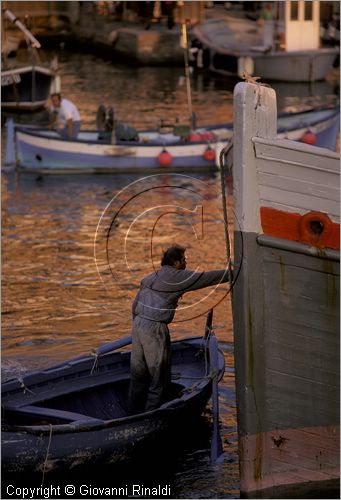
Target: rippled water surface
66, 289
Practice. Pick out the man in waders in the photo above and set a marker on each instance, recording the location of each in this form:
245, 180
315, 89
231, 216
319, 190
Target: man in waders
153, 309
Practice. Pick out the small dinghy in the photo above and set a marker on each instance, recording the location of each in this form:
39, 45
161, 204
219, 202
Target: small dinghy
75, 413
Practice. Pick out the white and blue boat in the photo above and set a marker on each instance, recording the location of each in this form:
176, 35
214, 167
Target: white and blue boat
45, 151
24, 87
283, 45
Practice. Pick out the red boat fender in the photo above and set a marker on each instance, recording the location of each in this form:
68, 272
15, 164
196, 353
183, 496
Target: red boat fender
201, 136
209, 154
207, 136
309, 138
165, 159
194, 137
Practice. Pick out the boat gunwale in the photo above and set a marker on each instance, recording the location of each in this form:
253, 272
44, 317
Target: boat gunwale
23, 105
41, 132
38, 68
84, 358
112, 170
334, 112
298, 247
286, 144
256, 53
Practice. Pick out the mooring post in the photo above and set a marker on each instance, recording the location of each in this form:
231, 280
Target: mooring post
255, 114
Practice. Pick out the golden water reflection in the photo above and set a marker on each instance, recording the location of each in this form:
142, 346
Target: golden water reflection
68, 283
55, 302
57, 305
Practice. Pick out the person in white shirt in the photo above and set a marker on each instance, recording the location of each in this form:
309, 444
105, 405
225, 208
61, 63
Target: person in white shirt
65, 116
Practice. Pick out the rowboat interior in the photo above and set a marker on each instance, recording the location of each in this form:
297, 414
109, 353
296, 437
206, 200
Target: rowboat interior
89, 391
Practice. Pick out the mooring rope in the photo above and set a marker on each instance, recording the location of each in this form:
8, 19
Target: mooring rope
47, 454
23, 386
206, 340
95, 365
207, 375
223, 170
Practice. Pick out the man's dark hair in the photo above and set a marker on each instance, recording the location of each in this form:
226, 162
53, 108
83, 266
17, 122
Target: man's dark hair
172, 254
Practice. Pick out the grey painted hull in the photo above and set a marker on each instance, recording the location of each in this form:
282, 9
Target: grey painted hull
287, 366
300, 66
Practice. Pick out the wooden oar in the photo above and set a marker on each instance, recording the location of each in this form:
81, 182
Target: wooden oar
216, 443
208, 326
184, 44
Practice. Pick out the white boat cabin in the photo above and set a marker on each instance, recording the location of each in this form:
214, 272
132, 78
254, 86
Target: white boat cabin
292, 25
302, 25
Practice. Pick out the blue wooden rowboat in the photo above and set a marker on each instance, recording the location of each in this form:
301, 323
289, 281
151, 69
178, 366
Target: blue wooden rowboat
45, 151
75, 414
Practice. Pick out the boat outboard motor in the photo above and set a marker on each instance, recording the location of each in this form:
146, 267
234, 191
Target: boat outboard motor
105, 122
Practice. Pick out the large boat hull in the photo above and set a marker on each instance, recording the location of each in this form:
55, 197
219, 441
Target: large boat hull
289, 417
285, 306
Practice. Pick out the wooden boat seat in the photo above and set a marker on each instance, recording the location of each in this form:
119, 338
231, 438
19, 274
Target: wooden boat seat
50, 415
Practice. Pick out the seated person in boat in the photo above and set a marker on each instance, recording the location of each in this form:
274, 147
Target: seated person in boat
64, 115
111, 130
153, 309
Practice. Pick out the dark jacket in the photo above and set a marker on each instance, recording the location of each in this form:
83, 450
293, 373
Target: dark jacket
160, 291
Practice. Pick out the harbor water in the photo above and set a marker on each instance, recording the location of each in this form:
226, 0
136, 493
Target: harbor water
68, 283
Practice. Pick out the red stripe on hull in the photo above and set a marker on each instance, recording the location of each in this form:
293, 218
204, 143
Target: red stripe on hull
312, 228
